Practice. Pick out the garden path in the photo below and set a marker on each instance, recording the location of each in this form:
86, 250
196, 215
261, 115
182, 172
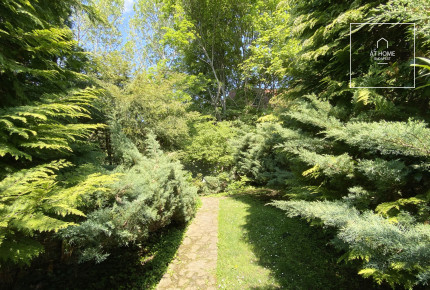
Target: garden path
195, 264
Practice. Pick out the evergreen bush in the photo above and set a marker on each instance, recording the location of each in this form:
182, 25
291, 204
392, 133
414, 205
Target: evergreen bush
151, 194
355, 160
46, 107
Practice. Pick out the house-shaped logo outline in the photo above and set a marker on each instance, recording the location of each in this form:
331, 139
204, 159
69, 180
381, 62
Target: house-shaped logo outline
377, 43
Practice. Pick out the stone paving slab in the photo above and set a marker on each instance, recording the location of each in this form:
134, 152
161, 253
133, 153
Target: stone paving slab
195, 264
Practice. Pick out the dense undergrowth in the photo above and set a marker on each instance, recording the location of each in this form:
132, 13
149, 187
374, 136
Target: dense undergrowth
134, 267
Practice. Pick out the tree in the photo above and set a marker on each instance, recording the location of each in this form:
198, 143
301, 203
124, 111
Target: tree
99, 34
156, 102
352, 159
209, 148
272, 50
212, 38
45, 117
150, 24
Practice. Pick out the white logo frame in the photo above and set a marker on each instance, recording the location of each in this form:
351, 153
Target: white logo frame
350, 54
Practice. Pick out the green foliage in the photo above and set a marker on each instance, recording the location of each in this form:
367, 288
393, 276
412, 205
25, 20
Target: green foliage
45, 129
133, 267
257, 156
46, 103
323, 65
426, 68
151, 27
366, 149
213, 184
271, 51
37, 53
156, 102
382, 164
34, 201
126, 153
329, 165
394, 252
151, 194
237, 186
258, 248
389, 138
212, 39
99, 34
356, 160
209, 149
45, 117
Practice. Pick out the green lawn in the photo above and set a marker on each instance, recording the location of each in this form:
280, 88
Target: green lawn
260, 248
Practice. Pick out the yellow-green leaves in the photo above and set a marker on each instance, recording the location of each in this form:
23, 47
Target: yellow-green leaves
36, 200
50, 124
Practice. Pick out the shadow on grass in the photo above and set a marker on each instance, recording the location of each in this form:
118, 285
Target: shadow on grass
126, 268
297, 254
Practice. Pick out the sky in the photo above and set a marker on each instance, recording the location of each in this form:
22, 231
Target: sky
128, 13
128, 6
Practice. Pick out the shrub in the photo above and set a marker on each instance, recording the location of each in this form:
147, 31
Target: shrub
216, 184
46, 110
356, 160
209, 149
258, 157
395, 252
35, 201
151, 194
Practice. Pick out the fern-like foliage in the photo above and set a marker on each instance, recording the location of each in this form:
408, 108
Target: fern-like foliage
395, 252
37, 52
46, 107
389, 138
354, 159
47, 128
34, 201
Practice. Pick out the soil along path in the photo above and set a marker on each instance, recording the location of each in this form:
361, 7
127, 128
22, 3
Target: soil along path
195, 264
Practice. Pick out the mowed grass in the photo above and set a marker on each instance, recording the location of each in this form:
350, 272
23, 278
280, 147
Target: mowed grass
260, 248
